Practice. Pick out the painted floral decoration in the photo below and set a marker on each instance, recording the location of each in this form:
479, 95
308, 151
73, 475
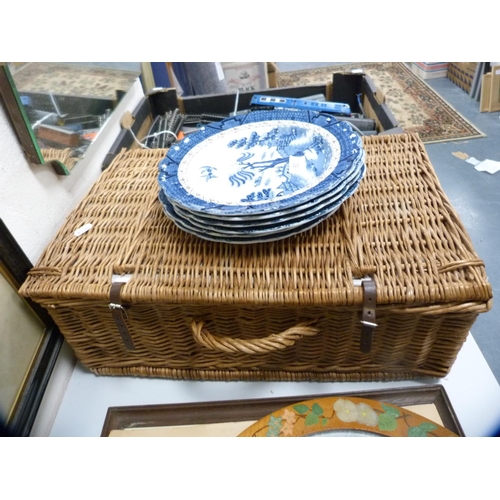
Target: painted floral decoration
346, 410
353, 414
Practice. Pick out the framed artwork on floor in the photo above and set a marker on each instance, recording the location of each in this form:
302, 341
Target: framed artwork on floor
29, 343
233, 418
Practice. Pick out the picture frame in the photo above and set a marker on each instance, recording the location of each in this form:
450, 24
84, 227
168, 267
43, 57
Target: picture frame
183, 416
18, 117
246, 76
21, 396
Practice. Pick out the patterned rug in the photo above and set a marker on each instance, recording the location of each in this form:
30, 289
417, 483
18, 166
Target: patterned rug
73, 80
416, 106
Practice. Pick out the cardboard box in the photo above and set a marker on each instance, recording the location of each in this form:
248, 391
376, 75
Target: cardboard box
428, 70
462, 74
272, 69
345, 88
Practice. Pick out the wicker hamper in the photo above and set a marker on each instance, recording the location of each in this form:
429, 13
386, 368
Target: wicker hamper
135, 295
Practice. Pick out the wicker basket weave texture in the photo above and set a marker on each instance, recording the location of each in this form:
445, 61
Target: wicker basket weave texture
286, 310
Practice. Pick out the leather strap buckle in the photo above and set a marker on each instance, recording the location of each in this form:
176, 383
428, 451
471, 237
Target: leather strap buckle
119, 314
368, 314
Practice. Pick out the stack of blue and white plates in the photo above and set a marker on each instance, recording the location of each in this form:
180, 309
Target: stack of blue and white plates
262, 176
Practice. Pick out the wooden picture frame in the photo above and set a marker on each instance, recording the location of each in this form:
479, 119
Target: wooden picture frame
192, 414
14, 266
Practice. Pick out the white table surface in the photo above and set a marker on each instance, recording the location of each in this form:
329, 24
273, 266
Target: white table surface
471, 387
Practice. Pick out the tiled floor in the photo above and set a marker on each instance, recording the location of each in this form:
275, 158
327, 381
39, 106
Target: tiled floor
475, 196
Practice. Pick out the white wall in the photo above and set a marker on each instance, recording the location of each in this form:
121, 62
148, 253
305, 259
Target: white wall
34, 202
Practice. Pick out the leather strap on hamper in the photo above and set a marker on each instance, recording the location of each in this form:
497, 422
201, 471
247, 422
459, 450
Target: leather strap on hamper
368, 315
119, 314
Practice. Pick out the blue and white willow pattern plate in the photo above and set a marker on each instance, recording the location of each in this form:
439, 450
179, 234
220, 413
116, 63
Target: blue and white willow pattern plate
286, 213
280, 225
261, 176
239, 239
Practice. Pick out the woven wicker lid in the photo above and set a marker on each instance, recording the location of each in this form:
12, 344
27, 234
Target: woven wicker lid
399, 227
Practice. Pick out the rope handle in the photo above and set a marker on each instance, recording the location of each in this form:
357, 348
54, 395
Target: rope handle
264, 345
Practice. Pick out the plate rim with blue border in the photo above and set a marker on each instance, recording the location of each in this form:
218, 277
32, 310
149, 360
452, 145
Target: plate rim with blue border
350, 150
